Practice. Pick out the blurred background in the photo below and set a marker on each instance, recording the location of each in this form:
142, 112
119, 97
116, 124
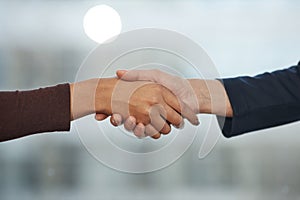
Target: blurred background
42, 42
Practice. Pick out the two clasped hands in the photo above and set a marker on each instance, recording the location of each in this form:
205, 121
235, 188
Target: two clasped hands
148, 102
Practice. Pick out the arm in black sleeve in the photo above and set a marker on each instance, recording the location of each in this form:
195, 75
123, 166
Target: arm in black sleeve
263, 101
28, 112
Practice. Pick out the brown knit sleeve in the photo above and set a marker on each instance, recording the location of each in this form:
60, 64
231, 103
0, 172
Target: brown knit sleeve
25, 113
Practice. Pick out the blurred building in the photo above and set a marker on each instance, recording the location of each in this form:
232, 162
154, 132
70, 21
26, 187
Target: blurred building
42, 43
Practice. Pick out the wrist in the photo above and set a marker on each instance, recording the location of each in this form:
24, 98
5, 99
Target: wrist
212, 97
82, 98
91, 96
202, 95
103, 95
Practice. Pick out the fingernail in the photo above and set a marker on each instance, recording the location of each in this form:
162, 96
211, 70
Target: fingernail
197, 122
121, 72
113, 121
118, 120
181, 125
118, 123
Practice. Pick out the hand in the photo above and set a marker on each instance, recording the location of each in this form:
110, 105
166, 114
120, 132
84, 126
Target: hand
180, 87
150, 104
211, 94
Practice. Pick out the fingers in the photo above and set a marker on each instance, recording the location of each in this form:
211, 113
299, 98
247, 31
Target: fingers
156, 136
169, 81
100, 117
173, 117
187, 106
189, 114
157, 114
160, 124
139, 75
139, 130
151, 131
181, 107
130, 123
116, 120
120, 73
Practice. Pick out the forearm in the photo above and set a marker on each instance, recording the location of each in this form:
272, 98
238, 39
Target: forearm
212, 97
263, 101
82, 98
28, 112
51, 109
91, 96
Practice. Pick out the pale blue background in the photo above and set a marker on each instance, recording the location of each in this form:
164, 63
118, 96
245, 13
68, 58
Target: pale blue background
43, 43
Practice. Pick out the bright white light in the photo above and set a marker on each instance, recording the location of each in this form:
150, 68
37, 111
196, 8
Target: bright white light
101, 23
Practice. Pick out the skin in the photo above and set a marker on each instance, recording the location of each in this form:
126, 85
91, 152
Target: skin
152, 106
211, 95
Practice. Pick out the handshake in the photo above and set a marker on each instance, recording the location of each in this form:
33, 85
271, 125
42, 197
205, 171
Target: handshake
148, 102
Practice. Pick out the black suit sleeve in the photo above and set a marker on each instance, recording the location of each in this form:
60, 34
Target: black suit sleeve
263, 101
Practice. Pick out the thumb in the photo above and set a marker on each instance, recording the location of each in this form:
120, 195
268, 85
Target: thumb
121, 73
138, 75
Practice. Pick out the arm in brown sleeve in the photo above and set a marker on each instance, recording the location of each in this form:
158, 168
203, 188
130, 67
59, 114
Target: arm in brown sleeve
25, 113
